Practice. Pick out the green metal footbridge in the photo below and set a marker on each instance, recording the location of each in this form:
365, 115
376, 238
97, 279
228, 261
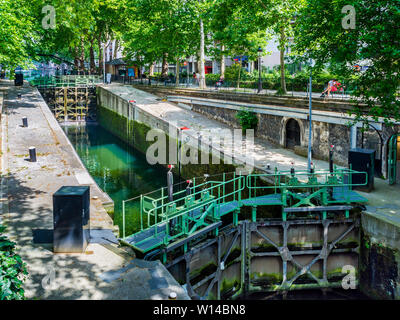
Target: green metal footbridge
168, 223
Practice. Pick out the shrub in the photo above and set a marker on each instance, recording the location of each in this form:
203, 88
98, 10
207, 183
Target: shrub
12, 270
247, 119
213, 77
232, 73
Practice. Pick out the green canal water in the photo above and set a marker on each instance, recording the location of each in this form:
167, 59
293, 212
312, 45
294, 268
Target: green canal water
119, 170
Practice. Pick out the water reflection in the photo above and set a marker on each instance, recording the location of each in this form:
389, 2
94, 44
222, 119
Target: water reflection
118, 169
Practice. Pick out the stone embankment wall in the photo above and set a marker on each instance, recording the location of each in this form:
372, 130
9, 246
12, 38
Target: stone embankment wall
132, 123
331, 122
380, 257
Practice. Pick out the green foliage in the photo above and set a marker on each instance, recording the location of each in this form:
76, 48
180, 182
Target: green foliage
12, 270
238, 27
16, 33
213, 77
374, 40
161, 27
232, 72
271, 80
247, 119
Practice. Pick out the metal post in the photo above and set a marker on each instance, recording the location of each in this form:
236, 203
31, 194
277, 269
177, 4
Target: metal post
32, 154
170, 184
259, 71
25, 122
187, 72
310, 122
104, 62
141, 213
123, 218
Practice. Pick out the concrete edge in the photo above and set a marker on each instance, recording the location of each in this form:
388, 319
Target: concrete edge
60, 134
383, 218
4, 203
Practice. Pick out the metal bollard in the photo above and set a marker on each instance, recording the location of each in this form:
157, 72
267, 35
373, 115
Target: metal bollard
32, 154
172, 296
25, 122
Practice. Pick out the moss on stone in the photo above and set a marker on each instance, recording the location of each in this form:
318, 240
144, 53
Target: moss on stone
228, 285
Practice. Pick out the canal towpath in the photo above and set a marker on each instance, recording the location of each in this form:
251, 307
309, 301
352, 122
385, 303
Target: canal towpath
104, 271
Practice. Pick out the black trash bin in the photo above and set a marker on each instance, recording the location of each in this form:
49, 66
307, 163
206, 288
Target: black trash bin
19, 79
363, 160
71, 212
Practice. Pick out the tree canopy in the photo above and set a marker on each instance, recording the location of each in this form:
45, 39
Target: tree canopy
322, 33
172, 30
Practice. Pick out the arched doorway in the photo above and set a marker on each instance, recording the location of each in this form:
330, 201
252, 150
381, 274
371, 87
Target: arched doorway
394, 159
292, 134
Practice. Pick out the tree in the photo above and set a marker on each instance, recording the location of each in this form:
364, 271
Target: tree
281, 14
17, 33
324, 34
160, 30
239, 29
81, 27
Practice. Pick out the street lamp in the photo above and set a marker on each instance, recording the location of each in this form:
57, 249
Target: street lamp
310, 118
259, 69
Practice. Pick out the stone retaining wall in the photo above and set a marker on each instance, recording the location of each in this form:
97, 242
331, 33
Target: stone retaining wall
131, 124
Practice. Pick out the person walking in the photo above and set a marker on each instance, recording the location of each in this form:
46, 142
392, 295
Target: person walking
194, 78
219, 83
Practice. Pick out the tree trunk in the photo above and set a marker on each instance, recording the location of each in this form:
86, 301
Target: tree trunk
151, 69
100, 47
282, 58
240, 69
177, 72
76, 59
115, 49
82, 56
223, 62
202, 72
164, 68
92, 64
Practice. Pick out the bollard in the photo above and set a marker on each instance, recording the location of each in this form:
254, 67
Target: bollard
32, 154
172, 296
188, 191
292, 169
170, 183
25, 122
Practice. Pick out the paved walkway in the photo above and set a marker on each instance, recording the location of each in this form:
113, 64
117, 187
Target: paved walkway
104, 271
290, 93
384, 200
263, 152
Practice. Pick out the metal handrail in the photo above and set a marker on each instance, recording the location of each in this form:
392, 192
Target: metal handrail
286, 179
216, 186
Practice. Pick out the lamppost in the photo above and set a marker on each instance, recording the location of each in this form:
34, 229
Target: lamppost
259, 70
310, 119
104, 62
